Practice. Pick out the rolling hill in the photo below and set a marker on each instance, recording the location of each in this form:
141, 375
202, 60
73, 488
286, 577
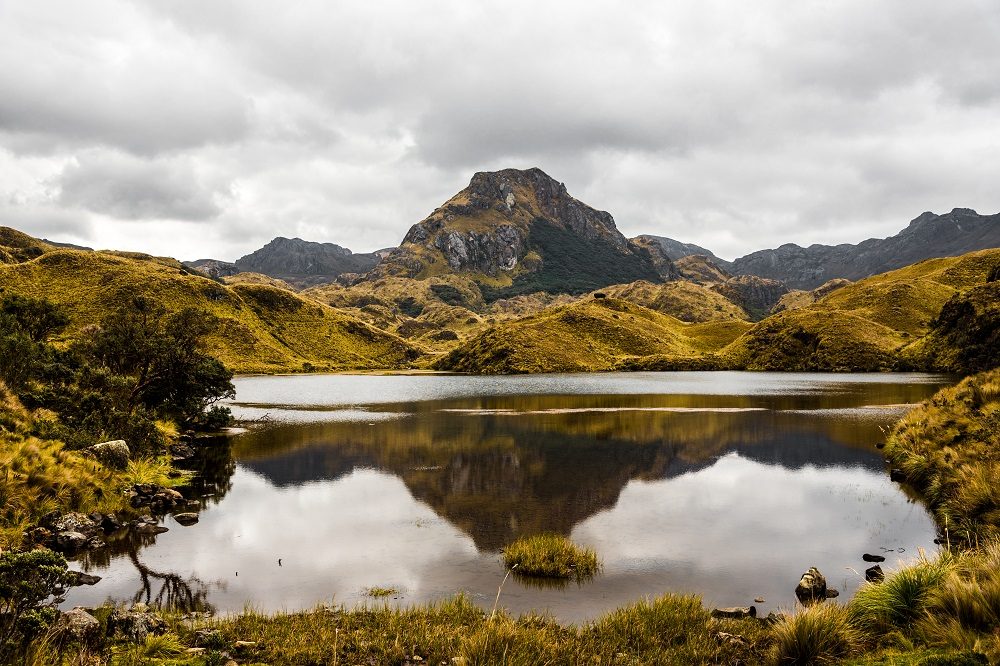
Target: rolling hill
261, 328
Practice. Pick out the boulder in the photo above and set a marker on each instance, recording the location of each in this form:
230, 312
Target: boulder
78, 625
69, 541
77, 578
874, 574
872, 558
736, 612
181, 451
74, 522
114, 454
186, 518
110, 523
811, 588
136, 624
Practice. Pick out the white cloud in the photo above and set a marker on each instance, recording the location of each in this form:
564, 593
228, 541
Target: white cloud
734, 126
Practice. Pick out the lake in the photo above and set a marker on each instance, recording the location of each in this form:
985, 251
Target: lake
725, 484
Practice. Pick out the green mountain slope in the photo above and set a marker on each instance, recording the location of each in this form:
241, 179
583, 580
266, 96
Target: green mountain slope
861, 326
589, 335
262, 328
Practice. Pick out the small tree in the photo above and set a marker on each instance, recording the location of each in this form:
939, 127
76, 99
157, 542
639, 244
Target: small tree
27, 579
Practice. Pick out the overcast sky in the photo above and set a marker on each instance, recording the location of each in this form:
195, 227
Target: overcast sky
204, 129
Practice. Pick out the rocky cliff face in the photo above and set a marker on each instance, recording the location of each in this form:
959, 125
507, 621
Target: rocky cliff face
754, 294
929, 235
521, 230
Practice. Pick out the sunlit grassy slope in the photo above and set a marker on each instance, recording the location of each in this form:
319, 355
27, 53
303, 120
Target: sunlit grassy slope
593, 334
262, 328
863, 326
682, 299
949, 449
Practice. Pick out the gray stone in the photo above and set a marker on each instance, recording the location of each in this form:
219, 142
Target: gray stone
78, 625
736, 612
136, 624
114, 454
186, 518
811, 588
78, 578
70, 542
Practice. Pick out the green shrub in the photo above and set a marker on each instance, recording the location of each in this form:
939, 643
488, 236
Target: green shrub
26, 580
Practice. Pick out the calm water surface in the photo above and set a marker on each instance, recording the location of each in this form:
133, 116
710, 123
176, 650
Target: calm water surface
728, 485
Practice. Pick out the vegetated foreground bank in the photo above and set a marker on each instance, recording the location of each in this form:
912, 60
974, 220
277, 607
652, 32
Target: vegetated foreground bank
938, 609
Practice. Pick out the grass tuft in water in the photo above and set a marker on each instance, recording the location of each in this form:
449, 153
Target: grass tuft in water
551, 556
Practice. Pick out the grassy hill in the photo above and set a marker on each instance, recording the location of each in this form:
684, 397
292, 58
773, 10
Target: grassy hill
684, 300
865, 325
589, 335
876, 324
262, 328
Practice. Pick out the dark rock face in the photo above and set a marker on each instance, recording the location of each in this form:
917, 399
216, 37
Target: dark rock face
526, 225
663, 259
874, 574
303, 262
811, 588
952, 234
754, 294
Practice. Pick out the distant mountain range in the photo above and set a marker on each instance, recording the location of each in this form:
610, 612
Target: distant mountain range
298, 262
929, 235
519, 231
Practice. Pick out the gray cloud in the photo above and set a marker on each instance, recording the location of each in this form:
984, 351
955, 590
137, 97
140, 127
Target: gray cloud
131, 188
734, 126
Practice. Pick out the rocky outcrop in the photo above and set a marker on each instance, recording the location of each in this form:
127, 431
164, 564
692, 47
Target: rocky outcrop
68, 533
663, 260
701, 269
929, 235
754, 294
525, 228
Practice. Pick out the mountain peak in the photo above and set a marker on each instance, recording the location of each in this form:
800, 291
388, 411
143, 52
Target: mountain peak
523, 230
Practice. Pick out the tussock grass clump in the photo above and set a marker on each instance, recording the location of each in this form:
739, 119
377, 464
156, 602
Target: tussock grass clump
902, 598
820, 634
949, 450
550, 556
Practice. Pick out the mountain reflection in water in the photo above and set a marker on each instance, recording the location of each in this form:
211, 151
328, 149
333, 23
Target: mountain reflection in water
729, 496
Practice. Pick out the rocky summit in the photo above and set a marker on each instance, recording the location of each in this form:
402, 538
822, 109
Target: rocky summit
518, 232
